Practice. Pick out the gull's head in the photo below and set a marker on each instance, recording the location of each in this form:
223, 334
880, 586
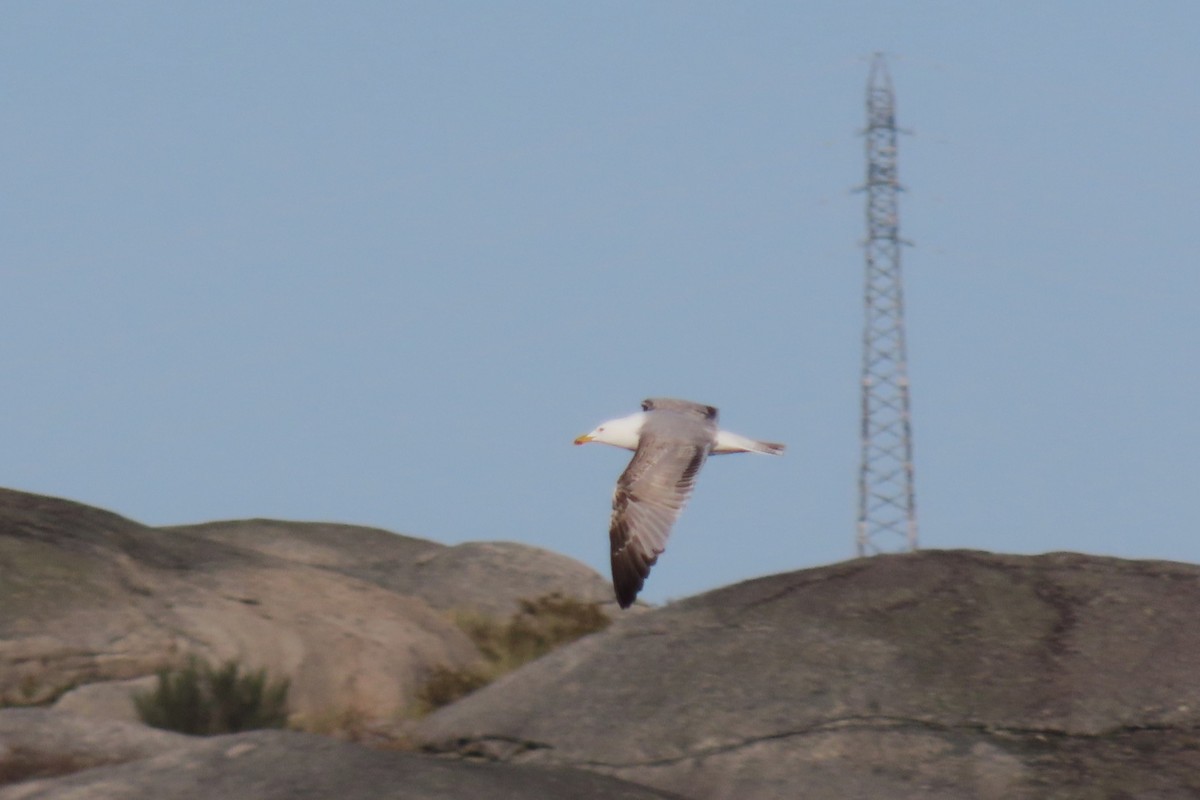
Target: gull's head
624, 432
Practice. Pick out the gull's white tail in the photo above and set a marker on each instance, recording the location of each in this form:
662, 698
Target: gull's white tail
732, 443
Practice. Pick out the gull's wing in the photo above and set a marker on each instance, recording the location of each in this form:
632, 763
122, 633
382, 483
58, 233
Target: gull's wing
650, 494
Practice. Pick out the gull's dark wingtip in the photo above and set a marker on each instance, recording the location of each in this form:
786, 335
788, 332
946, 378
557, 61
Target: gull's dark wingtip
627, 579
630, 568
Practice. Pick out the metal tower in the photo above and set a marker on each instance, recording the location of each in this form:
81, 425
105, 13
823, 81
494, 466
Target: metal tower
887, 512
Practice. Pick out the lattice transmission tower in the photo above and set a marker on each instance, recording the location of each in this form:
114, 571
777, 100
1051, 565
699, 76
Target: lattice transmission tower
887, 512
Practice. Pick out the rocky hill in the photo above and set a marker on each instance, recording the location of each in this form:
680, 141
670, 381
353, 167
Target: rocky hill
353, 616
937, 674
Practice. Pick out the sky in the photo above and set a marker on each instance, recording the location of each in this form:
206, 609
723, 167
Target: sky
380, 263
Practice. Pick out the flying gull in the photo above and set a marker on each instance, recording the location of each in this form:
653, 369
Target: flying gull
670, 439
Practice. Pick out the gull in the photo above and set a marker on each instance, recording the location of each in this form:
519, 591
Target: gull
671, 440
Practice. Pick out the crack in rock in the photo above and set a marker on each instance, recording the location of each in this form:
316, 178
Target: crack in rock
506, 748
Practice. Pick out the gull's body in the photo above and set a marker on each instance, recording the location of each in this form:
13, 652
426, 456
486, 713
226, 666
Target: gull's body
671, 440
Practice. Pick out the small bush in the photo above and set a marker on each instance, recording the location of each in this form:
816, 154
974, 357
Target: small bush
202, 700
541, 625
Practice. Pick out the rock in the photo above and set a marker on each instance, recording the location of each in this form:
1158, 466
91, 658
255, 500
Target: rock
938, 674
112, 700
467, 575
38, 742
285, 765
485, 577
89, 596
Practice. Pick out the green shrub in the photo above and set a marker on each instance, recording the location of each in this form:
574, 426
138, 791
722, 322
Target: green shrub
541, 625
202, 700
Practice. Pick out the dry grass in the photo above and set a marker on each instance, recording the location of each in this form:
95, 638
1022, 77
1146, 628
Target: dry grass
541, 625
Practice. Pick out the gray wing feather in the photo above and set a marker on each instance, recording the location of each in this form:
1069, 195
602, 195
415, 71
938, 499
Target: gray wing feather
651, 493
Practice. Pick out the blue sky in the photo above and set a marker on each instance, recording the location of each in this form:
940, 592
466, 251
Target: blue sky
380, 263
